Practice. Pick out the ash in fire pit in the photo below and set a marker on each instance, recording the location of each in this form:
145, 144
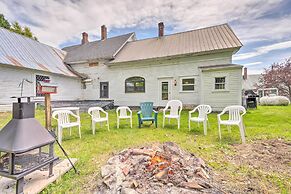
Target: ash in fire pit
163, 168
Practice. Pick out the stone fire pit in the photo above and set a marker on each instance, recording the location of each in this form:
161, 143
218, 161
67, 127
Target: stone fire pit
162, 168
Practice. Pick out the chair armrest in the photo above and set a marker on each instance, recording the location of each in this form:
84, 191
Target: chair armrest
139, 112
106, 113
244, 112
165, 110
220, 114
156, 112
74, 115
54, 115
192, 111
90, 112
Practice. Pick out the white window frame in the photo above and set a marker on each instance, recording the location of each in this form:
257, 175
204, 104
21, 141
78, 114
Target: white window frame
217, 75
222, 83
181, 84
41, 74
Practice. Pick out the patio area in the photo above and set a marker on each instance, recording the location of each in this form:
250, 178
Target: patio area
252, 167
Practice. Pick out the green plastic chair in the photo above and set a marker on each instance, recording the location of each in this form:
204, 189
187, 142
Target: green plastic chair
146, 113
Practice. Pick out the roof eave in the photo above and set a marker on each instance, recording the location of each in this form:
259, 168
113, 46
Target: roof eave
55, 73
234, 49
220, 67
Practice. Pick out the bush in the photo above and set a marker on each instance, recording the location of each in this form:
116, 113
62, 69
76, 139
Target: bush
274, 101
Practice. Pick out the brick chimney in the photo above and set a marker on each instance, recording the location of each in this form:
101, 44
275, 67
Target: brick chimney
245, 76
103, 32
84, 38
161, 29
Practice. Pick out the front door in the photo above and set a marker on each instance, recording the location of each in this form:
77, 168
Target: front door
165, 90
104, 89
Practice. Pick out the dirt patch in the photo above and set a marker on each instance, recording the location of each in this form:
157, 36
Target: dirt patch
253, 167
268, 155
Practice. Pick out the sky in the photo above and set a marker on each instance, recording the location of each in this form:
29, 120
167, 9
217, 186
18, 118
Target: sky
263, 26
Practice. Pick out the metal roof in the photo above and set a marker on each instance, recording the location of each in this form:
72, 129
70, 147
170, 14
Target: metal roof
196, 41
101, 49
251, 81
20, 51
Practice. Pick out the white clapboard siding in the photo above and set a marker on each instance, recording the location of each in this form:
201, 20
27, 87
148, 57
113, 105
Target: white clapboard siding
68, 88
218, 99
152, 71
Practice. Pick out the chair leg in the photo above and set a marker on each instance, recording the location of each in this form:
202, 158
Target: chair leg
205, 127
108, 125
80, 131
163, 121
60, 131
219, 132
178, 123
242, 133
189, 125
70, 131
229, 128
93, 127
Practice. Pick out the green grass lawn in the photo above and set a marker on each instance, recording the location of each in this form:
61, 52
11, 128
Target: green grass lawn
93, 151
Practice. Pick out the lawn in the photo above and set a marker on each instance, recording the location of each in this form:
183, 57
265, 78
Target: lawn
93, 151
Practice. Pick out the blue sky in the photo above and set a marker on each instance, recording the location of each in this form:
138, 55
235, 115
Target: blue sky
263, 26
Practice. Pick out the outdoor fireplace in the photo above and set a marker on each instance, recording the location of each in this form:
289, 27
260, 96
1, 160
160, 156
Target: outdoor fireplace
25, 145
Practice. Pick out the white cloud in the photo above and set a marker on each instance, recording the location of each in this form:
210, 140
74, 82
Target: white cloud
252, 64
59, 21
263, 50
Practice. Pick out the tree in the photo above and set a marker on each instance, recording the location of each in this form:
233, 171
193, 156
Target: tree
16, 27
278, 75
4, 23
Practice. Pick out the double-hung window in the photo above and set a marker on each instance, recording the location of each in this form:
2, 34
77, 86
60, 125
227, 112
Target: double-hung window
219, 83
187, 84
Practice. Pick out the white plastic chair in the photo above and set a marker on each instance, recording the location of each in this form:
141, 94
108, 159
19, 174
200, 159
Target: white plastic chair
121, 113
63, 118
175, 108
203, 111
235, 118
96, 117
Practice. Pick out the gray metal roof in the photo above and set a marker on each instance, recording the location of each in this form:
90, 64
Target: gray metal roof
251, 81
20, 51
196, 41
101, 49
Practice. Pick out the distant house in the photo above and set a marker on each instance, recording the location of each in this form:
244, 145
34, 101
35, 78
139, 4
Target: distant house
251, 82
193, 66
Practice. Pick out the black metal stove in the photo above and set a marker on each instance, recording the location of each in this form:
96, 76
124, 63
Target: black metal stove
25, 145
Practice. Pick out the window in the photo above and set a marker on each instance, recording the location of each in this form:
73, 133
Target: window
39, 78
219, 83
135, 85
188, 84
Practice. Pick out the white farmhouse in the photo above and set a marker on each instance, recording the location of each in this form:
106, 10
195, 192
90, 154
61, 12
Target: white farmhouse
194, 67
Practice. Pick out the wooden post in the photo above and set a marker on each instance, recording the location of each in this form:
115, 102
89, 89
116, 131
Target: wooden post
48, 111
